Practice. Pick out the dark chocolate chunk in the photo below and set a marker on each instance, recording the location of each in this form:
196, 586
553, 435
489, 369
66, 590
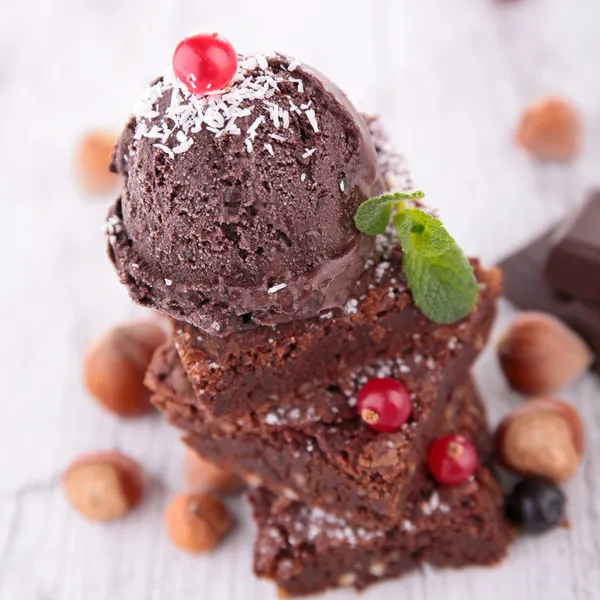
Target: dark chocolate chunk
526, 285
573, 266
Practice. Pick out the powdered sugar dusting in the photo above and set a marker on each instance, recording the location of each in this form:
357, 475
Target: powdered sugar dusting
313, 523
434, 503
381, 268
284, 415
255, 88
113, 227
351, 307
272, 419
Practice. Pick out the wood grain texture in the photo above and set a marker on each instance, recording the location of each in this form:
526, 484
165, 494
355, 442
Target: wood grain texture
450, 79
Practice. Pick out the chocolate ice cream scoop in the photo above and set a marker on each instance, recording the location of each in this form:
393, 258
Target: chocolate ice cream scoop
238, 207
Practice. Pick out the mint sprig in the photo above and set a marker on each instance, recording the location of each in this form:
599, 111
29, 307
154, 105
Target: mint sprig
439, 275
373, 215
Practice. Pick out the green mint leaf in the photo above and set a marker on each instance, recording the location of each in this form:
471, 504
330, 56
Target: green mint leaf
373, 215
422, 233
439, 276
403, 222
443, 287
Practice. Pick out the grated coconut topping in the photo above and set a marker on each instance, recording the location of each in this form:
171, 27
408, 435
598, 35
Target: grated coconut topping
253, 89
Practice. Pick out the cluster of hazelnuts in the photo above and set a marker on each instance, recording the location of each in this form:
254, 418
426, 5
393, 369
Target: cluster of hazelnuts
542, 439
103, 486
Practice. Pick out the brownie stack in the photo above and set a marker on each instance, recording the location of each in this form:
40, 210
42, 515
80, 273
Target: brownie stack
337, 503
237, 220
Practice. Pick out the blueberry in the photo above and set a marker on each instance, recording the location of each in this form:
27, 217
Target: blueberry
536, 505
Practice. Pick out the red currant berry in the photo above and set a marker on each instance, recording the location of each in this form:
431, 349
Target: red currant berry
384, 404
452, 459
205, 63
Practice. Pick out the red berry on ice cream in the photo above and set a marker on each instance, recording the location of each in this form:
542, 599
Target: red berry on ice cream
205, 63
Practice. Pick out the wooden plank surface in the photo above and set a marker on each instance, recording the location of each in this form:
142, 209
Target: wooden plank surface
450, 79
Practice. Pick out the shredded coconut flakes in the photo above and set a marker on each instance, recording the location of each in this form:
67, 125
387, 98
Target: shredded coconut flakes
255, 83
312, 119
276, 288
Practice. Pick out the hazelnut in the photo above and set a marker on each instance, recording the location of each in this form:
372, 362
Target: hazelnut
103, 486
92, 160
114, 367
196, 522
543, 437
203, 477
550, 129
539, 354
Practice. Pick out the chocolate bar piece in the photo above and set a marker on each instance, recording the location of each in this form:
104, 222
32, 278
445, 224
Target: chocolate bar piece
573, 267
526, 285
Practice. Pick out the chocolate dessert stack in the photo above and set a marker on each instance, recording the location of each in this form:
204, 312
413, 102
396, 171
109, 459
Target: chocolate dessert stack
303, 358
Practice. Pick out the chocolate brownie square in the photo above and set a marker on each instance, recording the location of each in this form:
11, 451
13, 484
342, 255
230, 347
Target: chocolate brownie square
326, 455
304, 550
266, 366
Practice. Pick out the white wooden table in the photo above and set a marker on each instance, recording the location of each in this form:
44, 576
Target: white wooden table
450, 77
